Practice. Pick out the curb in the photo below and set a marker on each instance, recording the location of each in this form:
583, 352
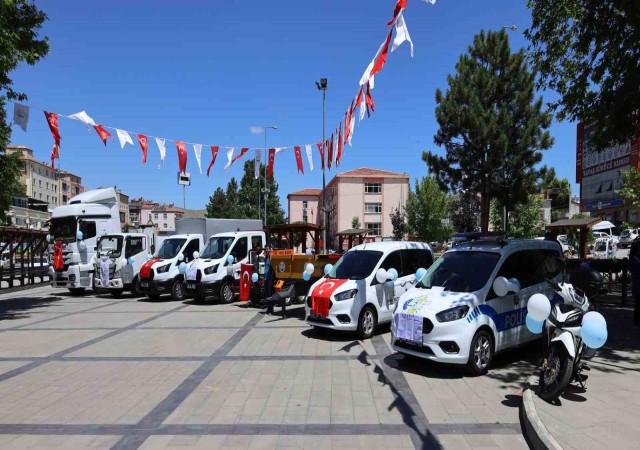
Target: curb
539, 437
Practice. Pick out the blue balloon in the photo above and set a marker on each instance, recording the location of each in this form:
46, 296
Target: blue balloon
534, 326
79, 235
254, 277
230, 259
148, 257
393, 272
420, 273
306, 276
182, 267
594, 333
131, 260
328, 268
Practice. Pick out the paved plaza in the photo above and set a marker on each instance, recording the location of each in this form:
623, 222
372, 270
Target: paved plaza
99, 372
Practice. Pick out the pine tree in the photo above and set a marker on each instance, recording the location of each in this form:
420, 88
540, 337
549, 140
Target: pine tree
218, 207
463, 211
492, 128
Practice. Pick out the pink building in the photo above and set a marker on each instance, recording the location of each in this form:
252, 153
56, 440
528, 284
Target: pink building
368, 194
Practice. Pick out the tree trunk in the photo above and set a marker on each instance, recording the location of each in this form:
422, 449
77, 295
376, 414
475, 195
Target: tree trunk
485, 206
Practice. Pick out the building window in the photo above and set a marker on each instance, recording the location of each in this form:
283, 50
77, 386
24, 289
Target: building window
40, 196
40, 183
376, 228
64, 187
372, 188
47, 198
164, 216
155, 216
164, 225
373, 208
47, 185
305, 204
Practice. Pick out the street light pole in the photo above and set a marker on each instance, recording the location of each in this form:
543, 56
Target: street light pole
266, 159
322, 86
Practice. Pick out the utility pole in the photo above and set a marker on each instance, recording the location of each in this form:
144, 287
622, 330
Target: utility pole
322, 86
266, 155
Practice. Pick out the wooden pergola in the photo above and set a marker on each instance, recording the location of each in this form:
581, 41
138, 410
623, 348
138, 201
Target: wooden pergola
277, 233
582, 225
355, 236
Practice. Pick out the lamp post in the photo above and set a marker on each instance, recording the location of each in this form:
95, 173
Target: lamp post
266, 159
322, 86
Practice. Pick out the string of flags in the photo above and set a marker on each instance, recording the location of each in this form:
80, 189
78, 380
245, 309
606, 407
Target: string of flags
333, 147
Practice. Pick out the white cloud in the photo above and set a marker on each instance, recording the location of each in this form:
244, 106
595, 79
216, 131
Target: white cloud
256, 129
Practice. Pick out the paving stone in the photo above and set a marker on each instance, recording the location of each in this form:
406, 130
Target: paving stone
43, 343
187, 319
93, 319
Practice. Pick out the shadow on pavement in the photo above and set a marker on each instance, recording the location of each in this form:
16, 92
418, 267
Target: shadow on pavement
19, 307
623, 343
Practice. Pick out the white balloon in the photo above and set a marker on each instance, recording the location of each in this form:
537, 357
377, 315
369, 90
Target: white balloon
309, 268
501, 286
539, 307
381, 275
595, 316
196, 254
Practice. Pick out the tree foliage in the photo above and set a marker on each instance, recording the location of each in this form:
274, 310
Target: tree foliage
241, 201
20, 22
491, 126
399, 224
355, 222
631, 186
463, 211
427, 210
525, 221
588, 51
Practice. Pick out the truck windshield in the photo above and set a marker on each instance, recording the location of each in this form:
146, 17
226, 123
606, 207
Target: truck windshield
461, 271
170, 248
110, 246
217, 247
64, 228
356, 265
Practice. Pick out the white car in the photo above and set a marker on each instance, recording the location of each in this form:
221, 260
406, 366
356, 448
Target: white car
453, 314
628, 236
161, 274
351, 298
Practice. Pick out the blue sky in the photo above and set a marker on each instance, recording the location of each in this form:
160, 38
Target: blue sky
207, 71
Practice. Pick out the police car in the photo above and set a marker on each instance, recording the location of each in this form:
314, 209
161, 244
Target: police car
453, 314
352, 298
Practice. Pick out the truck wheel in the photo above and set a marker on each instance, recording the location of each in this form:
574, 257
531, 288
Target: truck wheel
134, 288
177, 290
367, 323
480, 353
117, 293
226, 293
76, 291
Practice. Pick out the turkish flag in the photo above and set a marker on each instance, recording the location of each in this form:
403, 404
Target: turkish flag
402, 4
382, 57
55, 153
272, 158
52, 120
321, 150
245, 282
182, 156
104, 134
369, 100
214, 155
321, 295
339, 155
330, 155
240, 155
143, 141
296, 151
145, 270
347, 121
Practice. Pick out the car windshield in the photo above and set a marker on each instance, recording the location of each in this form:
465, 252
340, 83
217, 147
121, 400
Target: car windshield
461, 271
170, 248
64, 228
355, 265
601, 246
217, 247
626, 233
110, 246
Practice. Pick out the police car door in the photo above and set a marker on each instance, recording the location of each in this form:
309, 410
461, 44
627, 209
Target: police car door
509, 312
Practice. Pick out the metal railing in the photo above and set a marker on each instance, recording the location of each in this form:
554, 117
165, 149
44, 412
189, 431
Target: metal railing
24, 257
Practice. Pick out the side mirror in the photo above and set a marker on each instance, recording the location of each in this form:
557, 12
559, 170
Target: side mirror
180, 257
502, 286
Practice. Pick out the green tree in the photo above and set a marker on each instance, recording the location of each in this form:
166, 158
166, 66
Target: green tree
463, 211
427, 209
233, 207
631, 186
247, 200
588, 51
218, 207
355, 222
525, 221
491, 126
20, 22
399, 224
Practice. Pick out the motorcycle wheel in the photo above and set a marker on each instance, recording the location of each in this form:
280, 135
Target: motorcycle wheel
557, 375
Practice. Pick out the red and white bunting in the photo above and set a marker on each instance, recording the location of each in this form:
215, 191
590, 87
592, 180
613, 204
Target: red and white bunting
298, 155
123, 137
160, 142
309, 156
182, 156
104, 134
144, 145
197, 150
214, 155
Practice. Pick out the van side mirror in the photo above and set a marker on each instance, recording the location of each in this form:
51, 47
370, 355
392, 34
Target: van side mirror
502, 286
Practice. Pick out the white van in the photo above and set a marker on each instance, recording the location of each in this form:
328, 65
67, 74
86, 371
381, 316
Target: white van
161, 274
118, 260
211, 273
453, 314
351, 298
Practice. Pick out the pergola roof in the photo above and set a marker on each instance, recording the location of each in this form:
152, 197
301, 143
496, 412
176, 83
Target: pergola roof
353, 232
575, 223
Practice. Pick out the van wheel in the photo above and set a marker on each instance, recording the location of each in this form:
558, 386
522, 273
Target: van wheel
367, 323
226, 293
177, 290
480, 353
134, 288
116, 293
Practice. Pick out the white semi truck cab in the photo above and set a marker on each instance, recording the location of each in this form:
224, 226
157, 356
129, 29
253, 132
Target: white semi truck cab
118, 260
74, 232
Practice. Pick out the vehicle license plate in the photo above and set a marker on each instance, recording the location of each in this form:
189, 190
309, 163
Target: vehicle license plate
191, 286
144, 284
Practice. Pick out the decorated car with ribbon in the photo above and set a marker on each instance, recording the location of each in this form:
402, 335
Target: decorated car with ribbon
472, 302
360, 291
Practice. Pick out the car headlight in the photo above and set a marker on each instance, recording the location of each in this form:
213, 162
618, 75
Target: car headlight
449, 315
346, 295
117, 274
163, 269
211, 269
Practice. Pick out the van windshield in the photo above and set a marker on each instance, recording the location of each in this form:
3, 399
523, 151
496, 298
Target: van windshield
170, 248
64, 228
110, 246
461, 271
355, 265
217, 247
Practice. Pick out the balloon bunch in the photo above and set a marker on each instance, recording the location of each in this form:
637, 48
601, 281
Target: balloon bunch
420, 273
308, 271
386, 275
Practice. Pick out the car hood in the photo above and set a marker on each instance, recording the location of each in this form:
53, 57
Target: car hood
329, 286
422, 302
204, 263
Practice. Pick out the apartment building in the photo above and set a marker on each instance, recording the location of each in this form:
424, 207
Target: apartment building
365, 193
164, 217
